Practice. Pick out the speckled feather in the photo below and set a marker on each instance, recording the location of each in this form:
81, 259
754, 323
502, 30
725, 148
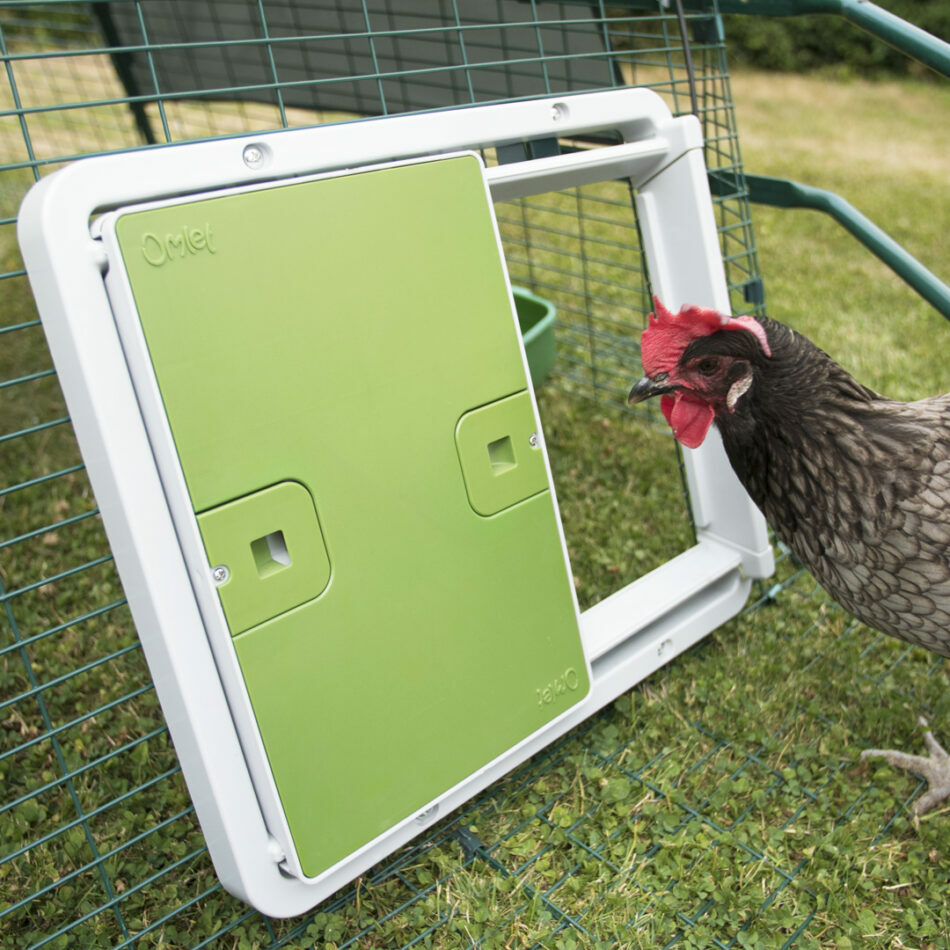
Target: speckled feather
858, 486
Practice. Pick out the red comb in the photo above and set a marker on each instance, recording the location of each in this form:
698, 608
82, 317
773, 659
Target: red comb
668, 333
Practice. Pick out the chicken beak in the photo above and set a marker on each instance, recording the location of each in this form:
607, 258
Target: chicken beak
649, 386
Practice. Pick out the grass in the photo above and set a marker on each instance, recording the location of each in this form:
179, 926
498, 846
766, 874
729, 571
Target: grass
883, 147
721, 803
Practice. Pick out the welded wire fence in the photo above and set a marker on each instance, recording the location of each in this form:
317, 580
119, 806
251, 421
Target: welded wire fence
102, 847
596, 839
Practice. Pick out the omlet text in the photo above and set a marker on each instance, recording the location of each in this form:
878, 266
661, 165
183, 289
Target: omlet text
567, 682
174, 247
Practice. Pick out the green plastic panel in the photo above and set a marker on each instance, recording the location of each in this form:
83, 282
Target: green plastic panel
333, 333
271, 549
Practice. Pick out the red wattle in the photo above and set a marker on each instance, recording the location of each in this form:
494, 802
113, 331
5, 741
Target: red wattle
688, 416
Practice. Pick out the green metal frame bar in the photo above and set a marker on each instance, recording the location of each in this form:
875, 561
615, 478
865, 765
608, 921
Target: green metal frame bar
912, 40
782, 193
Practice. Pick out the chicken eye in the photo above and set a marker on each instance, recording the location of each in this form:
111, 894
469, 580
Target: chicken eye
707, 366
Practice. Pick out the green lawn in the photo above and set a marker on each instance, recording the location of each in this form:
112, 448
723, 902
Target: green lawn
884, 147
719, 804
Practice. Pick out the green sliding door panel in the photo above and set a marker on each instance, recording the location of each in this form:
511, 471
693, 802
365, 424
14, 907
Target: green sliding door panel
340, 367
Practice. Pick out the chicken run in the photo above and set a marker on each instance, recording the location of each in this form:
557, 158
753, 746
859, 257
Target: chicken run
734, 798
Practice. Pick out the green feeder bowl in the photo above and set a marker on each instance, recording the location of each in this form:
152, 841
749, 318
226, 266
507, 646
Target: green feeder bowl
536, 320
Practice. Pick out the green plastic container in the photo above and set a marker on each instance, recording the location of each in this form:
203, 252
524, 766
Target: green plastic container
536, 320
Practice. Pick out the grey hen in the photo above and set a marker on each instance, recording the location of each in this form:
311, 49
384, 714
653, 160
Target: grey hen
858, 486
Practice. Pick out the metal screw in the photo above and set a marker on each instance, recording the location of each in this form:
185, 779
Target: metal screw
254, 156
559, 111
220, 574
427, 815
533, 440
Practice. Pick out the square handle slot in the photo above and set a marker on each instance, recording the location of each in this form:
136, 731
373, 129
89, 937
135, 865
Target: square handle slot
273, 549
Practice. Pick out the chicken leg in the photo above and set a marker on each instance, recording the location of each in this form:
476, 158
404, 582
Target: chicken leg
935, 768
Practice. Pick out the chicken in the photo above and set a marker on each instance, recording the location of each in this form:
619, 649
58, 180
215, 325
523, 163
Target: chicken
857, 485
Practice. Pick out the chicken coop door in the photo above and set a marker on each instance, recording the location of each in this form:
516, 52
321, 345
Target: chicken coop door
295, 371
339, 367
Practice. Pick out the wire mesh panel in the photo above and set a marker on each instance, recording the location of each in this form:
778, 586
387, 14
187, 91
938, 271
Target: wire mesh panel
100, 843
356, 58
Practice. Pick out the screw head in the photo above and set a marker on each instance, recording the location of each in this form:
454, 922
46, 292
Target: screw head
427, 815
254, 155
220, 574
533, 440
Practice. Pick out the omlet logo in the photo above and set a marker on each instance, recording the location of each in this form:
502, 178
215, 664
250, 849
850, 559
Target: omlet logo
174, 247
567, 682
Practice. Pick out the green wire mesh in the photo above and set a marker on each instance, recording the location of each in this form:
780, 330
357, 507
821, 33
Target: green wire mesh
599, 839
